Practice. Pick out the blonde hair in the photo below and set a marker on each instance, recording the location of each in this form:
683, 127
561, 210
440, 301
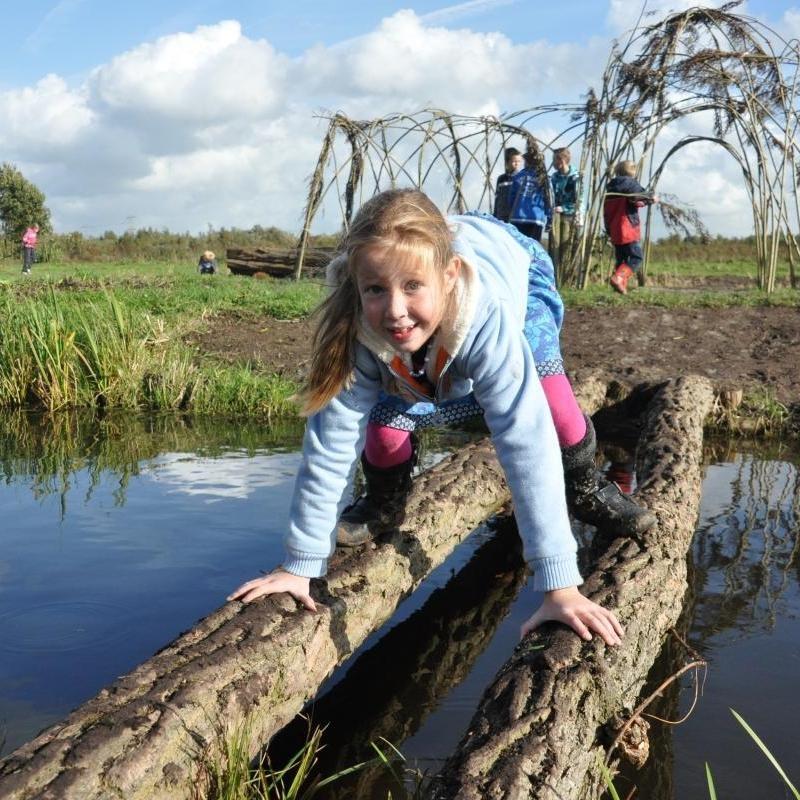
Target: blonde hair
626, 168
404, 221
208, 255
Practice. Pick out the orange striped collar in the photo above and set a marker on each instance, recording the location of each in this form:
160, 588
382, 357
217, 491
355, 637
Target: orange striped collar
421, 386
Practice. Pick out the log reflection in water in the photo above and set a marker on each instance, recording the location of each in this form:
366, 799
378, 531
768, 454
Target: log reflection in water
390, 689
747, 552
741, 564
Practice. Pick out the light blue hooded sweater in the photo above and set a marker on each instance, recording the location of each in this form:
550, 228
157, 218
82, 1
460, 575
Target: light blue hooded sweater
490, 357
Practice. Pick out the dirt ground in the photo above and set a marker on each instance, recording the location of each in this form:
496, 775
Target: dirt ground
735, 347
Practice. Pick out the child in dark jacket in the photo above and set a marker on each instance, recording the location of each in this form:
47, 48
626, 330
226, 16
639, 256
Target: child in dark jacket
505, 183
207, 265
624, 197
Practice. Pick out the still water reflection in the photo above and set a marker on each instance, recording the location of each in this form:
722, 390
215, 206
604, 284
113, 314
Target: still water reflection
418, 684
120, 533
742, 614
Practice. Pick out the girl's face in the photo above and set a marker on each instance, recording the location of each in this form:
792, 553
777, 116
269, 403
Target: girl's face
403, 299
515, 164
560, 163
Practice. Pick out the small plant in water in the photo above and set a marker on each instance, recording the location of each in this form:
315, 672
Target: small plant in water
712, 793
231, 774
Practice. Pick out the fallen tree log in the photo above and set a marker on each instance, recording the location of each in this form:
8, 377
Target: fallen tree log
141, 736
431, 652
280, 263
540, 730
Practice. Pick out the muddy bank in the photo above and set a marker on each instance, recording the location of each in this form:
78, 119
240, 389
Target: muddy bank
747, 348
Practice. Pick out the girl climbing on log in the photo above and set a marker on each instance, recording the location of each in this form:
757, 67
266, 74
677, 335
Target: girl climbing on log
431, 321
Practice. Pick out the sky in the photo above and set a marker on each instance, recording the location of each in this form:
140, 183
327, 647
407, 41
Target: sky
183, 115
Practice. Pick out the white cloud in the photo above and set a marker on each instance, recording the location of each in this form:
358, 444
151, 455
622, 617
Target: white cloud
405, 65
444, 15
204, 76
211, 126
624, 14
40, 121
228, 477
790, 24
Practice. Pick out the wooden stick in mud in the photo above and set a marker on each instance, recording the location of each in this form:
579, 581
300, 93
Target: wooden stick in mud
539, 731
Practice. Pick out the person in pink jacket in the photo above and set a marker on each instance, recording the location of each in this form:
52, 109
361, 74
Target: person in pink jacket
29, 248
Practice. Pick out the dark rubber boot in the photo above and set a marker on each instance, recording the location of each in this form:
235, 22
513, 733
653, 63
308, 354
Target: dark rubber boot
381, 509
595, 500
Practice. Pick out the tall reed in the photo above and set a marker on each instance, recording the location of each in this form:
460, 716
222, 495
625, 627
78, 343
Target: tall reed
93, 350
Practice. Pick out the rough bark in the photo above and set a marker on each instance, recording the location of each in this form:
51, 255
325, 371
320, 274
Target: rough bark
429, 653
539, 730
140, 737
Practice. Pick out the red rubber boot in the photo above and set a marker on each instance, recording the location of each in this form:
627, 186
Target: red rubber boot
619, 280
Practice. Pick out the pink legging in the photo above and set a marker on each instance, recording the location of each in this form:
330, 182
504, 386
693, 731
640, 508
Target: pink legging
387, 447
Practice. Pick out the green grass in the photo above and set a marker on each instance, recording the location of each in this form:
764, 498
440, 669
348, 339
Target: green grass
734, 268
113, 334
230, 774
121, 343
166, 289
712, 793
665, 297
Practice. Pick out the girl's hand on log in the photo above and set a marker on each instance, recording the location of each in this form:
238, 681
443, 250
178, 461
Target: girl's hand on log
581, 614
277, 581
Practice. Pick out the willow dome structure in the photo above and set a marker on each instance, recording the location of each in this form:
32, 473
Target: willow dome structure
726, 75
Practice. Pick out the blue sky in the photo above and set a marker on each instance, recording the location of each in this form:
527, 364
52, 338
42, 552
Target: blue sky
179, 114
72, 36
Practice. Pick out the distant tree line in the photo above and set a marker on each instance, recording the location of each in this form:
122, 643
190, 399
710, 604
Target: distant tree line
22, 203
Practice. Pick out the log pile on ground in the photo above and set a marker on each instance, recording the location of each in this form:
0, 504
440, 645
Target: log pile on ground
141, 737
277, 262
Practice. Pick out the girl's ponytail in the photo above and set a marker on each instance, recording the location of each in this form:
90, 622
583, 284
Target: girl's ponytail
333, 348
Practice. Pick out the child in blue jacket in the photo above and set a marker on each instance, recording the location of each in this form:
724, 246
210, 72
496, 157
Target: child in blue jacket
531, 212
566, 183
431, 321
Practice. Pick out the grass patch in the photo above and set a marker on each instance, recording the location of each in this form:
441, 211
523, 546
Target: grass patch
712, 793
756, 411
230, 773
112, 334
664, 297
85, 345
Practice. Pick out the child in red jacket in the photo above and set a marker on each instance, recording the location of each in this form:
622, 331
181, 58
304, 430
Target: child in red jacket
624, 197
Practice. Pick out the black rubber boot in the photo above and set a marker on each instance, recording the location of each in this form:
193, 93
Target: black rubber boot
381, 509
593, 499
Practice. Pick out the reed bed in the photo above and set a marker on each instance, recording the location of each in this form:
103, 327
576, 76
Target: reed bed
94, 347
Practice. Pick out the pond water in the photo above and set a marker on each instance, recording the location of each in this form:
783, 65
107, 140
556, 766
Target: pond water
120, 533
